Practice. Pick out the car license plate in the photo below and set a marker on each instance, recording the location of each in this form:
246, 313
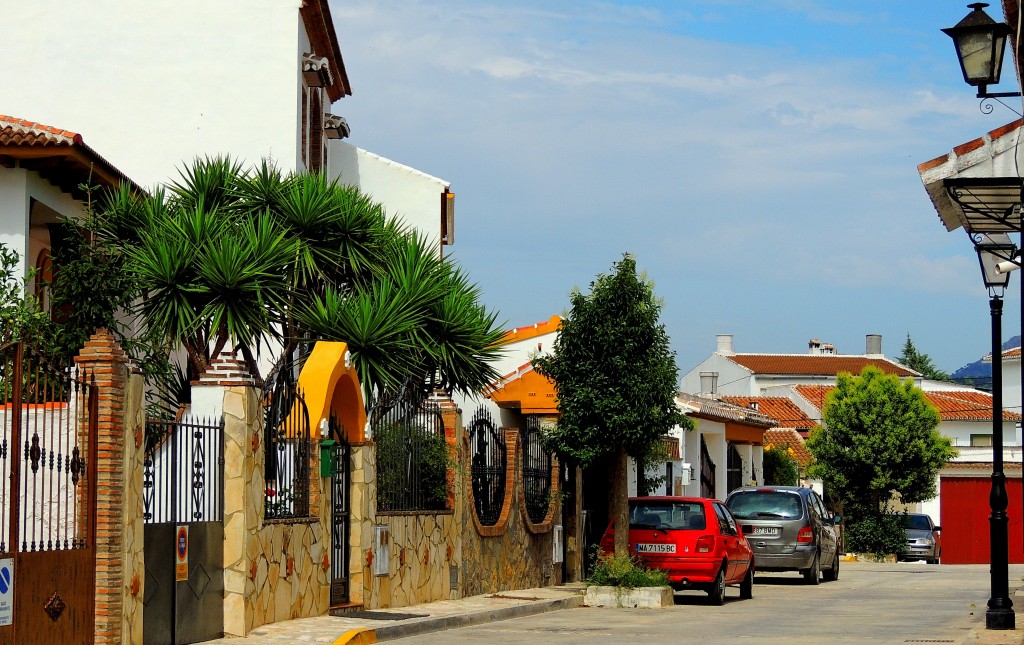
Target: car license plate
766, 530
655, 548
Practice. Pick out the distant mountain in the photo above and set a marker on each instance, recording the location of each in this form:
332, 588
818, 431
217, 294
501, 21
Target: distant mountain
979, 373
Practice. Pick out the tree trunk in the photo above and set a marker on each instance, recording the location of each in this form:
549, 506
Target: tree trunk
618, 500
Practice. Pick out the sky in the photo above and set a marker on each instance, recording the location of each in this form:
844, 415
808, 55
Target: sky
758, 159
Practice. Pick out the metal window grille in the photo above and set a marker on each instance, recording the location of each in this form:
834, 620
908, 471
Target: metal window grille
288, 448
536, 471
487, 469
412, 455
183, 471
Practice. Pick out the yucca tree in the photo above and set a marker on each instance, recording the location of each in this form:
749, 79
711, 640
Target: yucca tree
260, 259
419, 321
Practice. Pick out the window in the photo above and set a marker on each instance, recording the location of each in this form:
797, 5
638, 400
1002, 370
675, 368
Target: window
981, 440
304, 126
765, 504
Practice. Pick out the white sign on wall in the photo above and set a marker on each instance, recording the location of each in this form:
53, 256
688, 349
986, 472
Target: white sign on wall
6, 592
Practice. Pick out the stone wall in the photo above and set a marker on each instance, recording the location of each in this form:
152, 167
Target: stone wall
273, 570
515, 553
423, 548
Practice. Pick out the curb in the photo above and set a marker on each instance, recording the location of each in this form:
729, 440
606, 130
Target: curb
388, 632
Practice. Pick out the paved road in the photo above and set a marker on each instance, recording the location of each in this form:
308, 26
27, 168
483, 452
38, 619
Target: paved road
870, 603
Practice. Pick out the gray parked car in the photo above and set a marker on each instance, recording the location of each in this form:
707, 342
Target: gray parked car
923, 539
789, 530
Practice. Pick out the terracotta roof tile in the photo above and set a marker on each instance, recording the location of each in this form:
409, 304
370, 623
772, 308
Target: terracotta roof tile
788, 438
19, 132
531, 331
953, 405
65, 160
721, 410
785, 413
816, 364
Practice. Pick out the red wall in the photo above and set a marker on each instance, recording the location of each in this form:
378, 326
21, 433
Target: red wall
965, 528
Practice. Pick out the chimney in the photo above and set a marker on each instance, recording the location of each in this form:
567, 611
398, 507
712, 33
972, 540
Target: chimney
724, 344
709, 383
873, 345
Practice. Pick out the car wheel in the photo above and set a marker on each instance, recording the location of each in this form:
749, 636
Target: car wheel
833, 573
716, 594
812, 575
747, 586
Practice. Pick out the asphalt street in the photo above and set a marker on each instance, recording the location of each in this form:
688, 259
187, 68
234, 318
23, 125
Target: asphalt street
870, 603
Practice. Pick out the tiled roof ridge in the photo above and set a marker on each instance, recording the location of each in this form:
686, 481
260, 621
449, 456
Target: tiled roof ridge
969, 146
69, 137
526, 332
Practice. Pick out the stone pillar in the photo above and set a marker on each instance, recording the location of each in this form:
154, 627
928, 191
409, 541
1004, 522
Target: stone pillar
227, 389
120, 569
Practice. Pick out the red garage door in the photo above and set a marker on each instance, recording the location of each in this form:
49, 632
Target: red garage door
965, 509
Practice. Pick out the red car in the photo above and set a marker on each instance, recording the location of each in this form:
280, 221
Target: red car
695, 540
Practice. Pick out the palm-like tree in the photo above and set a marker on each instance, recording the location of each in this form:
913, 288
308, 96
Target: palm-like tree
259, 259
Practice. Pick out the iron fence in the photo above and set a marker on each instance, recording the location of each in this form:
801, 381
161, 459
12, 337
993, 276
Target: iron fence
536, 471
288, 449
487, 467
412, 455
183, 471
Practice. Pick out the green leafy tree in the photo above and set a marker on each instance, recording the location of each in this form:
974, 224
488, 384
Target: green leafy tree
920, 362
780, 466
615, 376
878, 439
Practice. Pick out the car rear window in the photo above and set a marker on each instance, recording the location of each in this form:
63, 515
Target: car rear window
667, 515
916, 522
755, 504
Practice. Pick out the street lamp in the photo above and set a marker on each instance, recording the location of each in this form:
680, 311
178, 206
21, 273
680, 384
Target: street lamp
980, 42
994, 250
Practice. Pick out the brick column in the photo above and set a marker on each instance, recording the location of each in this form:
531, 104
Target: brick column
104, 362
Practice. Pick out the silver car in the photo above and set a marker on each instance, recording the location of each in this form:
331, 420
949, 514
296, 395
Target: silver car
923, 540
789, 530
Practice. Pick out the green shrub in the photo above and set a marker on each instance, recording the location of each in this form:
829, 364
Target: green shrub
879, 536
624, 571
780, 467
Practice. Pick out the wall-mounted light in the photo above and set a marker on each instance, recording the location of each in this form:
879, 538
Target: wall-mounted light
335, 127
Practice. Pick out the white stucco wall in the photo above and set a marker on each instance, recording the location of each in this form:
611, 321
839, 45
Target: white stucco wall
407, 194
18, 189
154, 84
733, 379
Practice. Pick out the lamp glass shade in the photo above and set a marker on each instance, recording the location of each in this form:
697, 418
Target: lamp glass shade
992, 249
979, 43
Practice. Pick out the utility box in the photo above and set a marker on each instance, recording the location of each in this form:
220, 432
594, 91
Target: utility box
328, 458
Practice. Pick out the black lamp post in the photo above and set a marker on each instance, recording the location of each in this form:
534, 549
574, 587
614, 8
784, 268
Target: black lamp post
993, 250
980, 42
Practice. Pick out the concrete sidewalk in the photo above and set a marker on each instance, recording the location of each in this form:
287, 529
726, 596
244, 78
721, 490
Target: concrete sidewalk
371, 626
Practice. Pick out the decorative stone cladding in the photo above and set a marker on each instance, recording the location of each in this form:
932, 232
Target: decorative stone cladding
277, 570
423, 547
120, 569
515, 553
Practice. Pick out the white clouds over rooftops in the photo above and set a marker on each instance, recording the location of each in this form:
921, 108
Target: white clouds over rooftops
766, 148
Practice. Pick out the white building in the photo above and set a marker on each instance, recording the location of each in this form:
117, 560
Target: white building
158, 83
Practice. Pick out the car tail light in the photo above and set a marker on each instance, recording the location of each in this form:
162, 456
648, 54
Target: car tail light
806, 535
705, 543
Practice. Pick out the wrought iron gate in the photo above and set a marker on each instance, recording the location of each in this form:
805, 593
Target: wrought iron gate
183, 490
48, 419
707, 471
340, 483
733, 468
